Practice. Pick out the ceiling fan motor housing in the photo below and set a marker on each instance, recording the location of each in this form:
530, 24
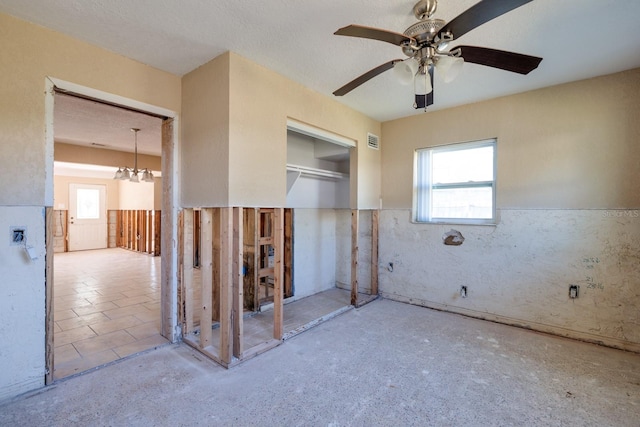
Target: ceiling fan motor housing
423, 32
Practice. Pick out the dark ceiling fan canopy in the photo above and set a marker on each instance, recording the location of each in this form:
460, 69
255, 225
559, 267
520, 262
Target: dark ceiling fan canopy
427, 40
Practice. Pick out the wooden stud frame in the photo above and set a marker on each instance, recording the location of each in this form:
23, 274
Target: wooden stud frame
206, 268
375, 217
355, 231
187, 269
278, 272
223, 243
238, 281
226, 284
49, 322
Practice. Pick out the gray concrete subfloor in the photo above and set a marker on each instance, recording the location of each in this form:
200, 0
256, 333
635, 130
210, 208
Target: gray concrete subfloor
386, 363
258, 327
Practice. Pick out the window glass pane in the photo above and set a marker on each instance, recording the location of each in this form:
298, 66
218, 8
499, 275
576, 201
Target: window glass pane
474, 164
462, 203
88, 203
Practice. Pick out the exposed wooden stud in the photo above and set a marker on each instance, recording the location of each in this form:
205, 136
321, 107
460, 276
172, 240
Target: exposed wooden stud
187, 265
196, 238
238, 285
256, 259
374, 251
215, 307
135, 235
118, 227
206, 268
49, 322
148, 232
181, 291
165, 245
249, 253
142, 231
355, 229
131, 243
278, 277
157, 229
226, 284
288, 253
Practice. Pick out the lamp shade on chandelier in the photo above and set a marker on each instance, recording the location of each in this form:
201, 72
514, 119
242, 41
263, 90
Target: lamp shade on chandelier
128, 174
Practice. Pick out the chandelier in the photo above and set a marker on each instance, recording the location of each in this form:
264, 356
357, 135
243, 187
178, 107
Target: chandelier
127, 173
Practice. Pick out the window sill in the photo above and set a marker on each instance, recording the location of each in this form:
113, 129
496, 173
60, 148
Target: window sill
490, 223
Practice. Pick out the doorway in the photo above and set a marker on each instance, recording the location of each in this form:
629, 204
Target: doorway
104, 313
87, 217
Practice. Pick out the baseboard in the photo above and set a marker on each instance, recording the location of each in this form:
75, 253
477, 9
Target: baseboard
520, 323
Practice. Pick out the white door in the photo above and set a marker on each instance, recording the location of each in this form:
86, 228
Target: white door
87, 217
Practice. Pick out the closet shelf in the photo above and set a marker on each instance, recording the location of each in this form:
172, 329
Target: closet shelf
320, 173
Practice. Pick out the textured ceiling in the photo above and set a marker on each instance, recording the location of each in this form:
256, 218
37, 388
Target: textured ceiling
84, 122
577, 39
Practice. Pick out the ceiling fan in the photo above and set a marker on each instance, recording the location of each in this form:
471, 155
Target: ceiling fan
426, 45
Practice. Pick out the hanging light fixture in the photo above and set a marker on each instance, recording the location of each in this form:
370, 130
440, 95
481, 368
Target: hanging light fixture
132, 174
422, 87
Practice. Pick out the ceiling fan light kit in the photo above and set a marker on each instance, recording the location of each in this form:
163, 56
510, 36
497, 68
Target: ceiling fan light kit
405, 71
425, 43
128, 174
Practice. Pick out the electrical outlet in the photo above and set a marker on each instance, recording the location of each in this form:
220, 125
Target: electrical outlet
573, 291
18, 235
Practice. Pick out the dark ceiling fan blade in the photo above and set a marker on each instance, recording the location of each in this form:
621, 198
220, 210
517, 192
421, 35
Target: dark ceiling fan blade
374, 33
365, 77
510, 61
479, 14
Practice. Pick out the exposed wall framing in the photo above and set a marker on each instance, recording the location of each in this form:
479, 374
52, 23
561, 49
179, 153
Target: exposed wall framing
60, 227
138, 230
355, 254
49, 321
213, 299
245, 261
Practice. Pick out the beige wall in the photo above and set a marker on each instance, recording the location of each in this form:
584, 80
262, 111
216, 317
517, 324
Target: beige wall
569, 146
97, 156
136, 196
568, 213
234, 133
205, 135
29, 54
61, 190
261, 102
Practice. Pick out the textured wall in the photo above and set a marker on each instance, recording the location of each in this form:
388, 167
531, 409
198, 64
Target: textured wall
572, 146
22, 295
568, 203
314, 250
519, 271
30, 54
261, 102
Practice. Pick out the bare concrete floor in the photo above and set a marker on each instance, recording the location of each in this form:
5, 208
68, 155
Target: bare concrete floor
386, 363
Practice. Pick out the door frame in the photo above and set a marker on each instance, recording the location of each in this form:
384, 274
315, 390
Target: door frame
170, 328
73, 193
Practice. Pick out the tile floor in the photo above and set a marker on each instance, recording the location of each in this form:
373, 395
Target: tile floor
106, 307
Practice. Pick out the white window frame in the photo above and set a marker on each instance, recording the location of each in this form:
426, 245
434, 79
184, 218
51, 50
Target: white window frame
422, 186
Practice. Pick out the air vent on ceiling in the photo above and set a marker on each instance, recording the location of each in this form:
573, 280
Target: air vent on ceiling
373, 141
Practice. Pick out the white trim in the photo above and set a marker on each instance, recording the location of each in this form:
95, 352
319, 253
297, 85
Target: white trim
170, 205
318, 133
423, 202
111, 98
323, 173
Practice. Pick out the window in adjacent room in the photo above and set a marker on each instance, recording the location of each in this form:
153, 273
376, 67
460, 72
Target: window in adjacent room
455, 183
